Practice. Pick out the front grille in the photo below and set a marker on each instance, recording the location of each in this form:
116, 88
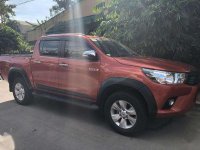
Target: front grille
192, 78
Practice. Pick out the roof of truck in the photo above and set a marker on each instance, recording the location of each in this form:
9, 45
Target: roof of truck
68, 34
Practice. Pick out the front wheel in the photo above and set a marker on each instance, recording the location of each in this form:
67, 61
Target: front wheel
21, 92
126, 113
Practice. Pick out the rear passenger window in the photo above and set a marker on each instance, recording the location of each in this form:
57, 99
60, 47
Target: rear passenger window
49, 48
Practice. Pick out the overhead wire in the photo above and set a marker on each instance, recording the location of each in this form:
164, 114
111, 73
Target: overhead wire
28, 1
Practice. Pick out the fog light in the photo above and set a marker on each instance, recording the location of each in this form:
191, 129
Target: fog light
169, 103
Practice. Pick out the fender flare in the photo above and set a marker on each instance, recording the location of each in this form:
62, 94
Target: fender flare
20, 71
133, 84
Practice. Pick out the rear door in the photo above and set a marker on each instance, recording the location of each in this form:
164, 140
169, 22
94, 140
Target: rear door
45, 66
78, 76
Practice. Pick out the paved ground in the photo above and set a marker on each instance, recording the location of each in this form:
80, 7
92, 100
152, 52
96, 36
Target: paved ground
48, 125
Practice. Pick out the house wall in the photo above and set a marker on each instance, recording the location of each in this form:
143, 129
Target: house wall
82, 9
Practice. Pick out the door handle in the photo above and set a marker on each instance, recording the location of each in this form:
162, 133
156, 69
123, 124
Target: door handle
63, 65
37, 62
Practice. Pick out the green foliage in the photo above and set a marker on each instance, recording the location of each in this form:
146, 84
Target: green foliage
61, 5
5, 11
14, 25
10, 40
161, 28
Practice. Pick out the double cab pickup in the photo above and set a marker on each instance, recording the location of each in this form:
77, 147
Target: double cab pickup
128, 88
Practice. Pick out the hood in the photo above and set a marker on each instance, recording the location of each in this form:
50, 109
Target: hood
155, 63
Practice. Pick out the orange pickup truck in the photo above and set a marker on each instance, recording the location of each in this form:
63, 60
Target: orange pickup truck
129, 89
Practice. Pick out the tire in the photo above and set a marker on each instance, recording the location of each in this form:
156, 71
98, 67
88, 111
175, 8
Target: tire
21, 93
126, 113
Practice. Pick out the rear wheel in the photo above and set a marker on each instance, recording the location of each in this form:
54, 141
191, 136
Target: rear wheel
126, 113
21, 92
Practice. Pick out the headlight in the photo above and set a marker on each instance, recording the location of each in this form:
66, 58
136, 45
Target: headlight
164, 77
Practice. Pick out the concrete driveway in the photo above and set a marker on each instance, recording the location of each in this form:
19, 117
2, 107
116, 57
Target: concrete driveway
49, 125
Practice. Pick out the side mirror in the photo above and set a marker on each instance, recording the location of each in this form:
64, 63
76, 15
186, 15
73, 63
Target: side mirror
90, 55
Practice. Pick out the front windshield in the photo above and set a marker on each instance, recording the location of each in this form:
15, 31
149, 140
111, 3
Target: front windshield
113, 48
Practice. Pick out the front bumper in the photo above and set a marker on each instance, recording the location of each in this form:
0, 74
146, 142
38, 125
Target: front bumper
181, 106
185, 96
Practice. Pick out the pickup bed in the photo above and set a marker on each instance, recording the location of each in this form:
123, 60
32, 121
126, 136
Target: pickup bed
129, 89
8, 61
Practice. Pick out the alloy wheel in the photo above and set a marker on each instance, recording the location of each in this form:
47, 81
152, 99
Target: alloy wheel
123, 114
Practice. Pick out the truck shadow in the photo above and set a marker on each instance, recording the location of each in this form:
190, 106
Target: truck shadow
88, 113
78, 119
181, 126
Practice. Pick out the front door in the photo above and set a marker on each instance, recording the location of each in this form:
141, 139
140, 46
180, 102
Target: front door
78, 76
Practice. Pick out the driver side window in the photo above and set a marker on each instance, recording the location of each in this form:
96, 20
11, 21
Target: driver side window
74, 48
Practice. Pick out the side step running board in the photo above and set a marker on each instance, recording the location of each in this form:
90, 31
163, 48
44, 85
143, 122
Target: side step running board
66, 99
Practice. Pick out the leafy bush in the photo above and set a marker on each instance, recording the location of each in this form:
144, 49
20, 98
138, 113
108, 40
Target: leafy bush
161, 28
10, 40
14, 25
